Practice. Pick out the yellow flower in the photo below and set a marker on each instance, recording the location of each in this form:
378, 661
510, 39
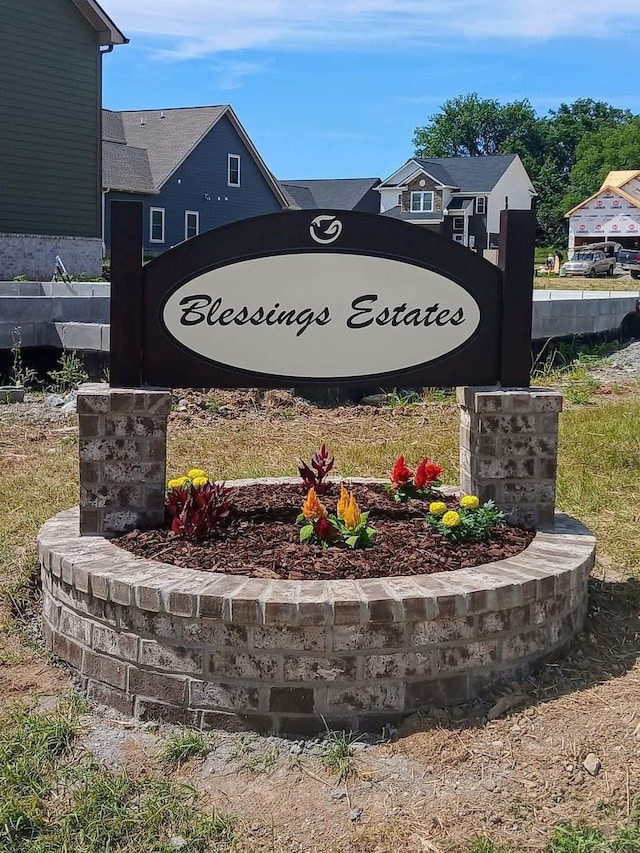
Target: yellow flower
199, 481
451, 519
196, 472
351, 515
313, 508
470, 502
178, 483
437, 508
343, 502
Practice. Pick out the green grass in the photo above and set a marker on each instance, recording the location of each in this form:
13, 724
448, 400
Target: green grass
183, 747
337, 755
53, 800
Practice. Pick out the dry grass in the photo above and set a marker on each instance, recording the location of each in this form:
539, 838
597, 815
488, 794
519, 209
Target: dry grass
573, 710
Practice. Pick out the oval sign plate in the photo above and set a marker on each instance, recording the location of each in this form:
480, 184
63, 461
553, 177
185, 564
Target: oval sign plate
321, 314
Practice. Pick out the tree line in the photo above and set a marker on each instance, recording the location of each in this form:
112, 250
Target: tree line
567, 153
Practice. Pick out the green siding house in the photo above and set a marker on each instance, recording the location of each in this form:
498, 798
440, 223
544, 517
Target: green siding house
50, 134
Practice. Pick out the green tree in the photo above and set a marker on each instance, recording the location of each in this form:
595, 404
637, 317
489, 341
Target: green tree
597, 154
469, 126
570, 123
567, 153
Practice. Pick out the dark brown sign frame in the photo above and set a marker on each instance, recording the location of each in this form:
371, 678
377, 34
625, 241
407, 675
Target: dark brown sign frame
144, 354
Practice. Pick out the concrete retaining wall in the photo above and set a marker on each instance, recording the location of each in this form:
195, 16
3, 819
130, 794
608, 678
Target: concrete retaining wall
560, 313
75, 316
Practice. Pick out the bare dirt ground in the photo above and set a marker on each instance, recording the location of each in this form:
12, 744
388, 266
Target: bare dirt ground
563, 746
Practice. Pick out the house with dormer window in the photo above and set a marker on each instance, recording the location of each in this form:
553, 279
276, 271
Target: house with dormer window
459, 197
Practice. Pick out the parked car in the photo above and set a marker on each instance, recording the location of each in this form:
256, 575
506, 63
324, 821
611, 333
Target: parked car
630, 261
590, 264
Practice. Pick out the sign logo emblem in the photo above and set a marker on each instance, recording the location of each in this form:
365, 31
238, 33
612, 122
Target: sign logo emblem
325, 229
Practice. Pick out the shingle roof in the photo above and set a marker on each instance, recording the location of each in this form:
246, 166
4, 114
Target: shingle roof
112, 129
126, 168
469, 174
460, 204
100, 21
337, 193
168, 135
397, 213
143, 148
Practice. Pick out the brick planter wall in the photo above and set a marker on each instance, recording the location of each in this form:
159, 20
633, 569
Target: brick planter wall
209, 650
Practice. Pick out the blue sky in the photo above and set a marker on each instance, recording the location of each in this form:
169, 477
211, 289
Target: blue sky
336, 89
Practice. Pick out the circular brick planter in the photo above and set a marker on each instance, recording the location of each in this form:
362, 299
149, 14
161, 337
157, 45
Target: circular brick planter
210, 650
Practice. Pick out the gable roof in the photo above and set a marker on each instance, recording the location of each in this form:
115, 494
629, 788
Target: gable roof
605, 188
166, 138
619, 178
467, 174
108, 33
336, 193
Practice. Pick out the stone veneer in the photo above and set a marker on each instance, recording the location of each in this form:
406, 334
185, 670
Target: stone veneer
208, 650
509, 450
122, 442
34, 255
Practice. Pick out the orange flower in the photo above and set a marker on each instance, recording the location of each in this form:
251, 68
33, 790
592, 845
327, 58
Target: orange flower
343, 502
351, 515
312, 508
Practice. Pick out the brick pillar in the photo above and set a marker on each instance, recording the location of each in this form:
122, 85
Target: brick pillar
509, 450
123, 438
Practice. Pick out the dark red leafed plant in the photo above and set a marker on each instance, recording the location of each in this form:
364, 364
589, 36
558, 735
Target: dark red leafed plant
198, 507
314, 477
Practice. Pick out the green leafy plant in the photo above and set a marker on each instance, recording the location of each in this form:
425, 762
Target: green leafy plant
469, 523
314, 477
20, 375
316, 525
352, 524
20, 277
199, 507
407, 485
348, 526
70, 373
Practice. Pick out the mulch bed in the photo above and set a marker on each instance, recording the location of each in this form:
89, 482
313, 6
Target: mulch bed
262, 540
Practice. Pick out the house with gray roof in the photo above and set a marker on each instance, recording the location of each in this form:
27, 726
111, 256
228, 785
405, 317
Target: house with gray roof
193, 169
334, 194
51, 57
460, 197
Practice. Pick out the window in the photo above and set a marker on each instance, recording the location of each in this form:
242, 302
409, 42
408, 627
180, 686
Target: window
421, 202
233, 176
458, 223
481, 205
399, 199
191, 224
459, 238
156, 223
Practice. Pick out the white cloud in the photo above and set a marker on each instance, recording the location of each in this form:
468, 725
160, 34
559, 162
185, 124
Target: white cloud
231, 74
192, 28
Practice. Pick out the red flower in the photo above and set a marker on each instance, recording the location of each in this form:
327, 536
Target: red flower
401, 475
324, 529
426, 473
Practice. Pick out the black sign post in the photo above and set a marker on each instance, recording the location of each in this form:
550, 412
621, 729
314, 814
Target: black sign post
319, 298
